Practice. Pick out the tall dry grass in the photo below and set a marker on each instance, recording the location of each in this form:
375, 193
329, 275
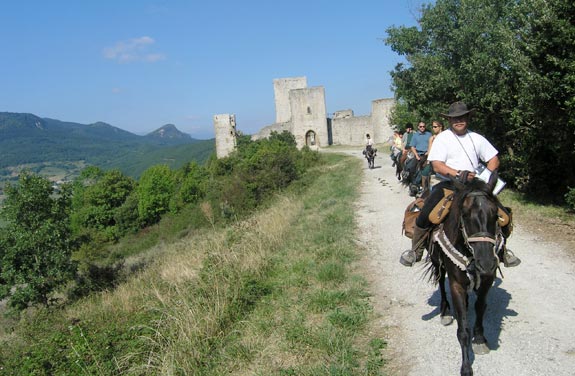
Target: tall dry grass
195, 287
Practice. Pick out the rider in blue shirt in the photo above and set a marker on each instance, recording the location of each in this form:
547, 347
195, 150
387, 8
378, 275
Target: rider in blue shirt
420, 141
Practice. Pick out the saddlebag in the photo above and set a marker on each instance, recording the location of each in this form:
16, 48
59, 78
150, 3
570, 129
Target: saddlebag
441, 210
411, 213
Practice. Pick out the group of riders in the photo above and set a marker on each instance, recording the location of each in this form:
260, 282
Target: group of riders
452, 155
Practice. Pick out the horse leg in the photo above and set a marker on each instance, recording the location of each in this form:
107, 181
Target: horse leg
459, 296
479, 343
445, 309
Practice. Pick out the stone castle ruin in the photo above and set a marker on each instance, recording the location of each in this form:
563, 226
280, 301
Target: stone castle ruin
302, 111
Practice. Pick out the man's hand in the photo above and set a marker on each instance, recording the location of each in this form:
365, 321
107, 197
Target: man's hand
464, 176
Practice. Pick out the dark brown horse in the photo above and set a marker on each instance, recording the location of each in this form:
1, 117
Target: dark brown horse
370, 154
465, 247
409, 172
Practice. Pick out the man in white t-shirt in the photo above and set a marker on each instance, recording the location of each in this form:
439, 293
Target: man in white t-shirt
455, 153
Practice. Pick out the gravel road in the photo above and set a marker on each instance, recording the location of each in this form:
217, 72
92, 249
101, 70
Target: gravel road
529, 319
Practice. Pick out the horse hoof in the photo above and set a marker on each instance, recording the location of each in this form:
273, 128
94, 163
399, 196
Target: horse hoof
480, 348
446, 320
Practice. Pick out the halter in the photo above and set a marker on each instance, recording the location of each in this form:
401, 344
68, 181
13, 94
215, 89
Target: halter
477, 237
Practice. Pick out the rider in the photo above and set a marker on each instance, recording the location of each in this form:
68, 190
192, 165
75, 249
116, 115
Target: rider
406, 140
368, 143
427, 171
420, 142
456, 153
396, 146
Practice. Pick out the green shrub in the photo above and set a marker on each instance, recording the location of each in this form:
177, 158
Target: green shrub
570, 198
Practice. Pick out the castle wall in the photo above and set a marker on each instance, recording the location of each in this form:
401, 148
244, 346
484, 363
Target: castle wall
380, 114
225, 128
343, 114
302, 111
308, 113
351, 130
277, 127
282, 87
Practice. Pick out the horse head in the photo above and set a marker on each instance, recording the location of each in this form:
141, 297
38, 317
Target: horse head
477, 224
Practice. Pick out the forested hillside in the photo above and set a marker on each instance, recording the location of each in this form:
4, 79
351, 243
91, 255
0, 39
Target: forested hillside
27, 140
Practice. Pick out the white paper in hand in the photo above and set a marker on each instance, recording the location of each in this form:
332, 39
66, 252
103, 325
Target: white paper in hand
484, 174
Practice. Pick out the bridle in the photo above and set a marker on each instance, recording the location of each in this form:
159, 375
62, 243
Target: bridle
482, 236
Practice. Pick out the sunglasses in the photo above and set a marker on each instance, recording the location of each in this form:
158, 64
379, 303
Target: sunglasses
436, 126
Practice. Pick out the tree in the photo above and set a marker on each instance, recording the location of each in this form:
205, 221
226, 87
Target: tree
192, 182
155, 189
509, 60
98, 196
35, 244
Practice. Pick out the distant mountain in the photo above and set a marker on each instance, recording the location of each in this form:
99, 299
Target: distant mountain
169, 135
27, 138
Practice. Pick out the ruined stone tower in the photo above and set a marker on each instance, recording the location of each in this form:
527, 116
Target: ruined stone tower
309, 117
380, 115
282, 88
225, 127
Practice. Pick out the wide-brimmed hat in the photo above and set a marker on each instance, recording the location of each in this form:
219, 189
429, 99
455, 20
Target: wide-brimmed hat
457, 109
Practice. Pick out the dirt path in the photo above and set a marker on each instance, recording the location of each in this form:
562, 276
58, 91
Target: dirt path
529, 320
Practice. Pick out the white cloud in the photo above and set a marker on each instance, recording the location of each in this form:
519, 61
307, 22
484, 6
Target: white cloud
133, 50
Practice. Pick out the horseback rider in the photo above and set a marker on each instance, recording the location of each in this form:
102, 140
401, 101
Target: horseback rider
368, 142
456, 154
427, 171
420, 143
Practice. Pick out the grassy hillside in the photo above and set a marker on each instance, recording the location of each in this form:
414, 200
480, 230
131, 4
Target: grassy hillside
276, 294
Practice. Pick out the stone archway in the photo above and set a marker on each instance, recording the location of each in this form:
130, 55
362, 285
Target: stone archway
311, 138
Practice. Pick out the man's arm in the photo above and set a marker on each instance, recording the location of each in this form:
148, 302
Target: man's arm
493, 163
429, 143
443, 169
414, 150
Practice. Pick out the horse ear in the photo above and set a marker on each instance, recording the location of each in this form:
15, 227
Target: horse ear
457, 184
493, 180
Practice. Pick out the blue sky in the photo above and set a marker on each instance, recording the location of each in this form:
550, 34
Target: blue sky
139, 65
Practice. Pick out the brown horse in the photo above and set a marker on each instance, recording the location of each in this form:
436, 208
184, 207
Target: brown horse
465, 248
409, 172
370, 154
